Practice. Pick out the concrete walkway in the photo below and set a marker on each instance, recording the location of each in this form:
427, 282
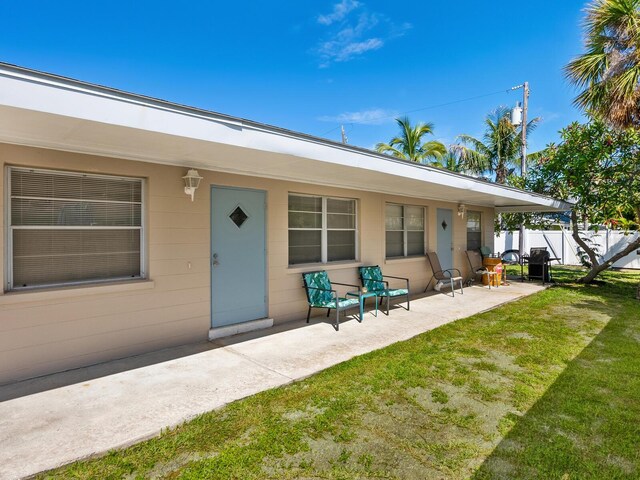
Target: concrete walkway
96, 410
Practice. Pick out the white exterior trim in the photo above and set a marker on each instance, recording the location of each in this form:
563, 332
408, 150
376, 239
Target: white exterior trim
43, 110
236, 328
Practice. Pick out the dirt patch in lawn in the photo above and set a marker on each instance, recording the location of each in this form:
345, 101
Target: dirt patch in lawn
165, 469
528, 390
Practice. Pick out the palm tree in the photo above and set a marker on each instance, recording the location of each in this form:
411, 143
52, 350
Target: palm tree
499, 150
449, 161
408, 145
609, 70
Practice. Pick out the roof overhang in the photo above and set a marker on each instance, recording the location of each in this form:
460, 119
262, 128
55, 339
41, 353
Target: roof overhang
43, 110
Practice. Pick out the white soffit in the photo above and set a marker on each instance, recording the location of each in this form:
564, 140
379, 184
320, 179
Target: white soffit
43, 110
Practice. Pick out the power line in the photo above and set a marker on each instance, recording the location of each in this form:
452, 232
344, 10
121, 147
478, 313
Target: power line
439, 105
455, 101
334, 128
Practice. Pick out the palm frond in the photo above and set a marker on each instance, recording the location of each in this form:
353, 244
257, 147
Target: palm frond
409, 143
433, 149
477, 145
389, 150
471, 160
608, 73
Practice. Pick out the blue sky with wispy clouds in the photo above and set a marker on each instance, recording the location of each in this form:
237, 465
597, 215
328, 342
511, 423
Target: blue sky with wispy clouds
312, 66
352, 30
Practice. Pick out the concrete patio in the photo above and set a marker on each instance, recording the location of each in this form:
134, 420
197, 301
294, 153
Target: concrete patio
54, 420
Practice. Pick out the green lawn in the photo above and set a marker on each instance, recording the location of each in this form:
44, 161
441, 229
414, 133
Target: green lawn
546, 387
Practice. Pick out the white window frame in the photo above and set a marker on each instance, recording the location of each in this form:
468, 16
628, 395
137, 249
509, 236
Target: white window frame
9, 228
324, 244
405, 230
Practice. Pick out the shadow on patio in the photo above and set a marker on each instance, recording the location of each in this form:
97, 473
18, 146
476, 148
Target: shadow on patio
92, 372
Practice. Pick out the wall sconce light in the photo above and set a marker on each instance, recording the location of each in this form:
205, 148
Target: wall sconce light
191, 182
461, 210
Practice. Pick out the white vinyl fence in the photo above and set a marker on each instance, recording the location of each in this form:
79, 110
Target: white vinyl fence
561, 245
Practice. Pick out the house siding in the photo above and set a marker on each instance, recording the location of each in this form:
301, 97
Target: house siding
49, 330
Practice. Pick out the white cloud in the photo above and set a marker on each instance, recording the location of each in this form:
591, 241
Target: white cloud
357, 48
340, 11
366, 21
373, 116
343, 51
355, 33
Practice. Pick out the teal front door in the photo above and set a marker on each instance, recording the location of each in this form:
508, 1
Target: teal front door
238, 256
444, 224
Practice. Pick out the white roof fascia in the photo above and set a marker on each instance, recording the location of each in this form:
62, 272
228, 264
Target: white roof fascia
49, 94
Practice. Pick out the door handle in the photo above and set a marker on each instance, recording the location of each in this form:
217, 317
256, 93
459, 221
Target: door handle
215, 260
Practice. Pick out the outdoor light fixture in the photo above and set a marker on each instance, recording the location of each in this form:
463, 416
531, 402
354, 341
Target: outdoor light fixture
461, 210
191, 182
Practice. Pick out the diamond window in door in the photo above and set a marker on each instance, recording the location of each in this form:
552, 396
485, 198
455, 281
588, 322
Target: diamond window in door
238, 216
444, 224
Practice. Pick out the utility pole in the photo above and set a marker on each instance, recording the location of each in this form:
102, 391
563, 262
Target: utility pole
523, 164
525, 106
344, 135
519, 117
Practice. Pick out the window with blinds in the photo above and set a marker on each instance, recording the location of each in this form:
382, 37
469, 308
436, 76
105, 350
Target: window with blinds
474, 230
67, 228
321, 229
404, 230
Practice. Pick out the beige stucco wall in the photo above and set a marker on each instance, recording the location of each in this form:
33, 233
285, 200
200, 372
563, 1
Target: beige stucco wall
50, 330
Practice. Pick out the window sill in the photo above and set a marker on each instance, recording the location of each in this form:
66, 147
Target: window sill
53, 293
413, 258
306, 267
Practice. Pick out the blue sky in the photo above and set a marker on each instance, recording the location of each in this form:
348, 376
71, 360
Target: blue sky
311, 66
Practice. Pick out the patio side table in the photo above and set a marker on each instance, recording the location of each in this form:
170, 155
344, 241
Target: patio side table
362, 297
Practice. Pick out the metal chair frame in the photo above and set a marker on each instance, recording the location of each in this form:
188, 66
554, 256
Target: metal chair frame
385, 292
475, 270
441, 275
336, 298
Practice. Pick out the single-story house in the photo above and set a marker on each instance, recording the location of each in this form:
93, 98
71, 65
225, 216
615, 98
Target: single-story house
105, 256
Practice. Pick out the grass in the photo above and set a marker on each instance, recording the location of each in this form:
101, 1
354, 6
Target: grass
546, 387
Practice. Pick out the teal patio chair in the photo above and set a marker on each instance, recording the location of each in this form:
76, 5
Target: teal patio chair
320, 294
374, 281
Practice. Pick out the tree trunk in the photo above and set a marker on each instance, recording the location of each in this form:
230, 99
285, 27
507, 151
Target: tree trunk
597, 267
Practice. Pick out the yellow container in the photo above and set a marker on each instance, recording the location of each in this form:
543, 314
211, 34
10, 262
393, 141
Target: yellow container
493, 265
